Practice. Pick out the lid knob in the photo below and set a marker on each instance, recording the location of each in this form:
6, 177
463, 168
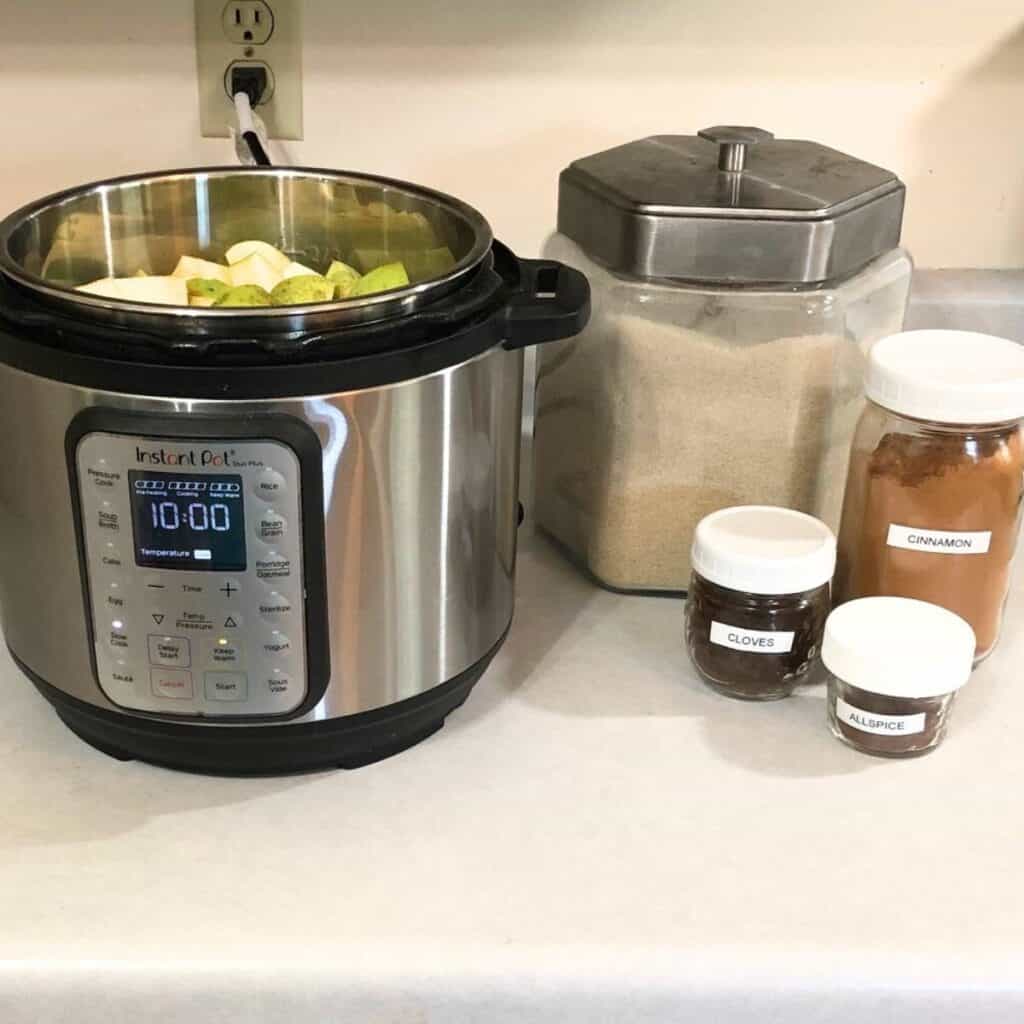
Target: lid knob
732, 141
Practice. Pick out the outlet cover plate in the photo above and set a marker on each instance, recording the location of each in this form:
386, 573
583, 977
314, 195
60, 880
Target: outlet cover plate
282, 53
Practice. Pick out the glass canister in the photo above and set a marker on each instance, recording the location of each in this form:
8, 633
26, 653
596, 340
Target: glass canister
936, 479
738, 282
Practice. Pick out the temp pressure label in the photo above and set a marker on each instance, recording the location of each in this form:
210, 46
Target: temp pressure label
880, 725
757, 641
943, 542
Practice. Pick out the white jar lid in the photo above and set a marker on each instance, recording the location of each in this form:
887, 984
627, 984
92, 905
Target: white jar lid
948, 376
761, 549
898, 647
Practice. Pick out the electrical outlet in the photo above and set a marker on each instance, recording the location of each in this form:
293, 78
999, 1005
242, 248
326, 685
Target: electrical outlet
223, 32
251, 22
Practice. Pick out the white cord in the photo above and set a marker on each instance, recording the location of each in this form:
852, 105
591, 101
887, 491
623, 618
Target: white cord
243, 111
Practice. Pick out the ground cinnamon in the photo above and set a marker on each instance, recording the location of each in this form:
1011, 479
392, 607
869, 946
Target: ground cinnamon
932, 512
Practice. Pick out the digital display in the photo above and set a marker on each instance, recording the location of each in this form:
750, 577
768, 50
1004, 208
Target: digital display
188, 521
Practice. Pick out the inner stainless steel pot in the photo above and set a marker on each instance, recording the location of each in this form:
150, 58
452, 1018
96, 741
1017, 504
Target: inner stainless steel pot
116, 227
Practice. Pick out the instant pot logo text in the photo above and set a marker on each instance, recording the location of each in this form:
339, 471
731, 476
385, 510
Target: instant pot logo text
187, 457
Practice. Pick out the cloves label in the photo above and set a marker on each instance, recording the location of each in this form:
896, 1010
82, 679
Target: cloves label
880, 725
943, 542
756, 641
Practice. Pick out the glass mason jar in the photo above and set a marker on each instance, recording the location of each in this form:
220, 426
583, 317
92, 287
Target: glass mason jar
936, 477
758, 600
682, 398
895, 666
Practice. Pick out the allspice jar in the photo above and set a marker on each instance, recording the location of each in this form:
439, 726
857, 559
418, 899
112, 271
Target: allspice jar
895, 666
758, 599
936, 476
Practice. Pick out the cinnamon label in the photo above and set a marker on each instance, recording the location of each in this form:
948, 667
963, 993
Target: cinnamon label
943, 542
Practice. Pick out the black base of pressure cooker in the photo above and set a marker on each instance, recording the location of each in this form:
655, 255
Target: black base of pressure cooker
348, 742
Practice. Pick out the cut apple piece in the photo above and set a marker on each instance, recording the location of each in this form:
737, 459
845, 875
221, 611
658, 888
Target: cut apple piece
297, 270
296, 291
192, 266
243, 250
204, 291
164, 291
382, 279
244, 295
343, 277
105, 287
254, 269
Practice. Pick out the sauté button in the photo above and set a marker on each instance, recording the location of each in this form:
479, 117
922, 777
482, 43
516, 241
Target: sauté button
174, 683
226, 686
269, 485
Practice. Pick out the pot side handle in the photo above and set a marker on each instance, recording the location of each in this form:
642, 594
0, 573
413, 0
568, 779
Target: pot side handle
551, 302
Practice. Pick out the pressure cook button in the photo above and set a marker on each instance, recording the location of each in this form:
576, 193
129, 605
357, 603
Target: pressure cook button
274, 606
277, 645
271, 526
226, 686
174, 683
102, 475
269, 485
169, 650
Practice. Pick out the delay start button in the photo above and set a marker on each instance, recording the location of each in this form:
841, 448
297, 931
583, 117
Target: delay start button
269, 485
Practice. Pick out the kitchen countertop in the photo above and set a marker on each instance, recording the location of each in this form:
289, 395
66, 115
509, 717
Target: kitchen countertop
593, 837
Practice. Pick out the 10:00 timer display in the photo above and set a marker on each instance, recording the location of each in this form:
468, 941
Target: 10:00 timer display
188, 522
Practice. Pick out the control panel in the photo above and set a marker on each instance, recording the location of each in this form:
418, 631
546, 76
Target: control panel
193, 554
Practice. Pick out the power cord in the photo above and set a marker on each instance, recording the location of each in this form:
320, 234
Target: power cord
248, 85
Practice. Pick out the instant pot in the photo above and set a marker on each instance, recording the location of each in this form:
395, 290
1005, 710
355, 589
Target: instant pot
260, 540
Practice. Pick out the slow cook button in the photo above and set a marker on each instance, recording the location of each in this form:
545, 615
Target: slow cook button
273, 566
277, 645
271, 526
169, 650
275, 606
173, 683
226, 686
269, 485
118, 638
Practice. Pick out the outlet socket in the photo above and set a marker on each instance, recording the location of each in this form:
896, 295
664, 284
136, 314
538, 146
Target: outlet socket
221, 40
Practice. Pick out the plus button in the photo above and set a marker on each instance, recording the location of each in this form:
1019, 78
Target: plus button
229, 588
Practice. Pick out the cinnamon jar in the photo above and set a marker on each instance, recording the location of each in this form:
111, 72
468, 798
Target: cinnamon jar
933, 498
758, 599
895, 666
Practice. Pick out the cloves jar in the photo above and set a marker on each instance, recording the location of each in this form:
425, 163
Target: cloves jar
894, 667
758, 599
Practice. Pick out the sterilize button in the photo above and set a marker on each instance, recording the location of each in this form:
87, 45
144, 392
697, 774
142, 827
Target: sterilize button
174, 683
269, 485
271, 525
277, 645
275, 606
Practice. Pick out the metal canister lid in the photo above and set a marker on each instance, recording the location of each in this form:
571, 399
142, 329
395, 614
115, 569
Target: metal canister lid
731, 204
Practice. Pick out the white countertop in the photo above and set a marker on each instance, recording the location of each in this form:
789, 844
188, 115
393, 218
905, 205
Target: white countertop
594, 837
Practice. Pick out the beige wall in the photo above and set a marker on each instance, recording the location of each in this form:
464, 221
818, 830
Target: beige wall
489, 98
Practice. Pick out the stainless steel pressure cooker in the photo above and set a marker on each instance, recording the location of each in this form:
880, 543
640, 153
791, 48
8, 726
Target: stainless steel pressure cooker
260, 540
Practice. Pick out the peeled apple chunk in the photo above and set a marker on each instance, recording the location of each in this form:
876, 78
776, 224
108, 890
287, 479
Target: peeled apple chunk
203, 291
192, 266
343, 277
244, 295
254, 269
391, 275
166, 291
105, 287
294, 291
243, 250
297, 270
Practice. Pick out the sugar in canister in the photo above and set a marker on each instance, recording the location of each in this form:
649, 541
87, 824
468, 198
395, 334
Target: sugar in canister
758, 599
